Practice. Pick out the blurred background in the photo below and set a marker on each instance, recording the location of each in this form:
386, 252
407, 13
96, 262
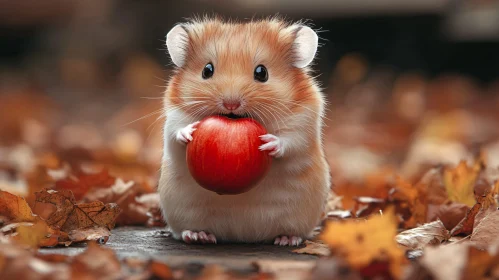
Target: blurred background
410, 83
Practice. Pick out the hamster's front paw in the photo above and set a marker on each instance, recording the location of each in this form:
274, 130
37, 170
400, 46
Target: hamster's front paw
273, 144
201, 237
288, 240
184, 135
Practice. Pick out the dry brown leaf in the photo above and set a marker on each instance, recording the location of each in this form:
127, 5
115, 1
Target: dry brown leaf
480, 264
98, 234
361, 243
71, 216
449, 213
486, 204
136, 206
465, 226
14, 208
458, 261
19, 263
428, 234
373, 185
410, 201
314, 248
159, 270
81, 182
487, 231
460, 182
96, 263
445, 262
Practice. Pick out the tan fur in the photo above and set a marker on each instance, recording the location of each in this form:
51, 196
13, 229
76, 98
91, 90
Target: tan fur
290, 200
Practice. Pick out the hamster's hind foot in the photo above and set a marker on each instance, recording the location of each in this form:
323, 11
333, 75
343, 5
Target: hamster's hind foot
284, 240
201, 237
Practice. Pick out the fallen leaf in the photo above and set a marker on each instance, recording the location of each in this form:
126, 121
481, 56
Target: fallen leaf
410, 201
445, 262
480, 264
361, 243
72, 216
35, 235
449, 213
460, 182
365, 206
136, 206
314, 248
487, 231
433, 233
19, 263
98, 234
339, 214
14, 208
485, 205
465, 226
96, 263
81, 182
159, 270
457, 261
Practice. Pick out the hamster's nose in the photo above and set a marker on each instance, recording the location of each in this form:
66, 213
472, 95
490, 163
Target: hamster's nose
231, 105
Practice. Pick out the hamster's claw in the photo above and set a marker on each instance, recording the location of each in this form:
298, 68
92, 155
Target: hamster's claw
184, 135
193, 237
273, 144
288, 240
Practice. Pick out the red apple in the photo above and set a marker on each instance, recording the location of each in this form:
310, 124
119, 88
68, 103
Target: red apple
224, 157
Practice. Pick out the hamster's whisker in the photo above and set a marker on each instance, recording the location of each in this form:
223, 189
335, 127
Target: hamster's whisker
259, 117
266, 116
277, 101
275, 107
272, 114
291, 103
154, 123
200, 112
282, 117
191, 115
187, 86
143, 117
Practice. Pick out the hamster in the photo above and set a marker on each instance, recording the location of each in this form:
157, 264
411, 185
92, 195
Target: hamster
258, 68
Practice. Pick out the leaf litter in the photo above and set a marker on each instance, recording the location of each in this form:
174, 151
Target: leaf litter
415, 183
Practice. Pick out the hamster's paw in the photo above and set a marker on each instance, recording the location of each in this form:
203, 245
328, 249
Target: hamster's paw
201, 237
184, 135
284, 240
273, 144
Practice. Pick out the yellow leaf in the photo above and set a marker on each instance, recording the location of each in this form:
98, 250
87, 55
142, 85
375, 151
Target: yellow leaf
460, 182
361, 243
33, 235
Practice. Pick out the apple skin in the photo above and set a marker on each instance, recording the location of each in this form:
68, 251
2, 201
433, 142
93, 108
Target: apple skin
224, 157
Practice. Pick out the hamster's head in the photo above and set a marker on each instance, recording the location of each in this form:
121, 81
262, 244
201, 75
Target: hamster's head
256, 69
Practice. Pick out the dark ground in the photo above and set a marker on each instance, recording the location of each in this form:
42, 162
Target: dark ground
145, 243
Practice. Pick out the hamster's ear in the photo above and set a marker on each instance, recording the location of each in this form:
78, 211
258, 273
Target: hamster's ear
305, 45
176, 43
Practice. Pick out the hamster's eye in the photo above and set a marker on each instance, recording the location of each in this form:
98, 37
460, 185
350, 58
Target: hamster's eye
261, 74
208, 71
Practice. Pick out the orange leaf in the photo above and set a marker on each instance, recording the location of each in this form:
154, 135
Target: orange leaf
361, 243
15, 208
82, 182
460, 182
